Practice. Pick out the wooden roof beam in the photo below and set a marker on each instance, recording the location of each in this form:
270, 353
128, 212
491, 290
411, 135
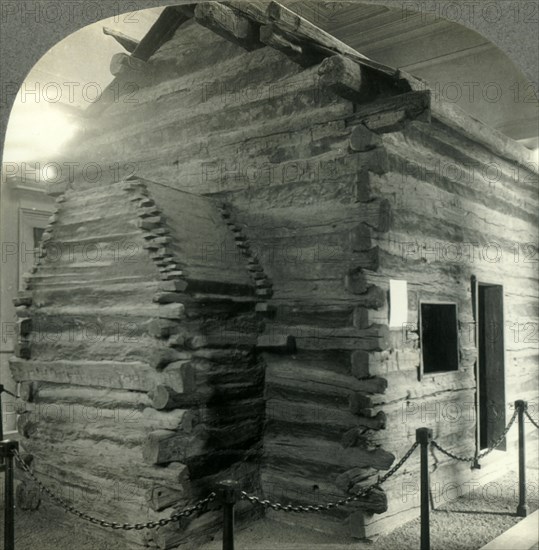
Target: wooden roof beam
229, 24
347, 78
287, 44
162, 30
128, 43
291, 22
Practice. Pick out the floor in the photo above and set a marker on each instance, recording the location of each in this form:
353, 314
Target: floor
523, 536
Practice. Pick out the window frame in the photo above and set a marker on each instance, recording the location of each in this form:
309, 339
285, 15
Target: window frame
422, 373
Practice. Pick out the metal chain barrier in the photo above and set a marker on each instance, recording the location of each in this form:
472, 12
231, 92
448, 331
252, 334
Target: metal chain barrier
531, 419
228, 491
320, 507
113, 525
497, 443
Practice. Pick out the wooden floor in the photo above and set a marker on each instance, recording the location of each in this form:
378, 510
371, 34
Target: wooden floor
523, 536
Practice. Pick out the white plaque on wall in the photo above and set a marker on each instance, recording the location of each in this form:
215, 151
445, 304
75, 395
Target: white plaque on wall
398, 303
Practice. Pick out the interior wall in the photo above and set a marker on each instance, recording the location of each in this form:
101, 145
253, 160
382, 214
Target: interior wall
23, 205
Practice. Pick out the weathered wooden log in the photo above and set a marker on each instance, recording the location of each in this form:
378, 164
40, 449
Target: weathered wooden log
81, 485
307, 491
312, 221
229, 24
97, 423
164, 357
150, 212
180, 376
355, 281
130, 44
231, 411
163, 446
22, 300
364, 364
245, 472
348, 479
312, 417
162, 328
171, 311
375, 337
285, 43
149, 224
361, 403
92, 397
276, 343
124, 464
130, 375
200, 382
373, 297
363, 317
288, 374
160, 497
290, 21
168, 297
164, 398
362, 139
347, 79
28, 390
367, 259
24, 327
123, 64
218, 338
283, 449
408, 106
22, 312
225, 356
360, 238
22, 349
376, 214
455, 117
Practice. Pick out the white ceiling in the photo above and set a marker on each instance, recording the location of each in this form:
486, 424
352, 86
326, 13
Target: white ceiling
465, 67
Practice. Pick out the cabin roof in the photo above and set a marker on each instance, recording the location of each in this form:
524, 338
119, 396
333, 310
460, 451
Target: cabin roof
268, 23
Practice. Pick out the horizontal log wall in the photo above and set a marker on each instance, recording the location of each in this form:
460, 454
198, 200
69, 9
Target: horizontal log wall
263, 136
315, 189
139, 384
457, 210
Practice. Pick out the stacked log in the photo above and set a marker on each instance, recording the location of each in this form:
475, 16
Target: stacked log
135, 356
323, 164
276, 150
452, 179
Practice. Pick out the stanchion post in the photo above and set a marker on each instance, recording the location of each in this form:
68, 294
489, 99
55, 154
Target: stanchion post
522, 508
423, 437
1, 414
228, 492
7, 449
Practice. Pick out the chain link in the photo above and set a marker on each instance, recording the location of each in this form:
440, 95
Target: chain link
531, 419
264, 502
485, 452
113, 525
320, 507
452, 455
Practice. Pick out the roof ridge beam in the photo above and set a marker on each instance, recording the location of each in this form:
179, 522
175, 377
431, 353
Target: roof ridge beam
228, 23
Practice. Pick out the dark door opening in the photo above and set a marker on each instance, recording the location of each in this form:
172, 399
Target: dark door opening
490, 371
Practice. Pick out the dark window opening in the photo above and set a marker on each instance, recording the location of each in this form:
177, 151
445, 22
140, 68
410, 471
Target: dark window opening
439, 337
37, 235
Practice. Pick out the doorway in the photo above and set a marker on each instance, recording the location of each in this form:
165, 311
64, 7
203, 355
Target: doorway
490, 368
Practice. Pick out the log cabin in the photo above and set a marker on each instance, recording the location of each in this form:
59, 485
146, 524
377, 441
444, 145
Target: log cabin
275, 259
